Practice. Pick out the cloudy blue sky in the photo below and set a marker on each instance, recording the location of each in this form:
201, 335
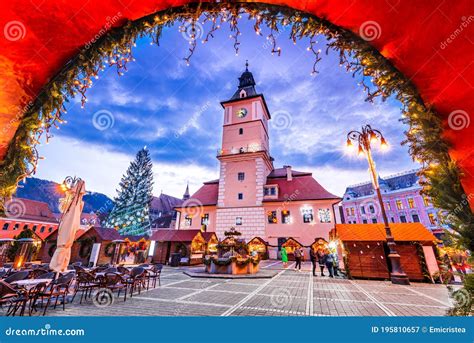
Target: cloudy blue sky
174, 110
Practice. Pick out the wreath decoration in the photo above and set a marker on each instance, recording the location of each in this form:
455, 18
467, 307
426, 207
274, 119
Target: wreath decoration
440, 173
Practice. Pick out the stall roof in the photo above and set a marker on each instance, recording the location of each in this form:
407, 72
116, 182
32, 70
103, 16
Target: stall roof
10, 234
376, 232
174, 235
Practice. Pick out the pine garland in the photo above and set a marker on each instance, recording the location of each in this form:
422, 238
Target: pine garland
441, 175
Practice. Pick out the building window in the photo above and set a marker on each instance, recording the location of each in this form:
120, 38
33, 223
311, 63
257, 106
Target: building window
285, 217
34, 228
269, 191
240, 196
307, 215
324, 215
411, 203
42, 229
241, 131
432, 218
188, 221
241, 176
5, 226
403, 219
416, 218
238, 221
399, 205
352, 211
364, 221
50, 229
392, 219
272, 217
426, 201
205, 219
348, 211
388, 206
374, 220
16, 227
362, 209
371, 208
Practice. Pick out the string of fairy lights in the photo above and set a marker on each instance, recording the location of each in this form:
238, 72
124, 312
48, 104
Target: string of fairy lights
377, 77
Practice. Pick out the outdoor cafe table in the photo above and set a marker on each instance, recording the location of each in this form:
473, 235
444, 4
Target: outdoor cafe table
30, 283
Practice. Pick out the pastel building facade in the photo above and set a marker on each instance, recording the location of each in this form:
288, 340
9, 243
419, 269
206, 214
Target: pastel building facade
403, 203
252, 195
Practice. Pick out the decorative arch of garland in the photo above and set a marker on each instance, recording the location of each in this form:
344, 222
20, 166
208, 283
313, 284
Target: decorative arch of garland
441, 176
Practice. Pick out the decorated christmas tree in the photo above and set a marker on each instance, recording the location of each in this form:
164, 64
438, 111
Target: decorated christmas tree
131, 213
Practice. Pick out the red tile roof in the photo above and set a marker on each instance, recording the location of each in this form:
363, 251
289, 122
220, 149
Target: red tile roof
54, 235
174, 235
33, 210
206, 195
376, 232
281, 172
303, 187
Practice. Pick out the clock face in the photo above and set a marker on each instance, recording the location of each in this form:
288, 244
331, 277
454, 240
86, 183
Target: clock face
242, 113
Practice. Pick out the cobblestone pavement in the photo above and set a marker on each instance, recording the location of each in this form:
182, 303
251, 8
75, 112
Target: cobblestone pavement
289, 293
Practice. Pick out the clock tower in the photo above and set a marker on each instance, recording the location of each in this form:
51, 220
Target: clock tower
245, 161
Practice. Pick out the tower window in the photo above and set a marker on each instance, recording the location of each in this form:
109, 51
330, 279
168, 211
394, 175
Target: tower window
241, 176
188, 220
238, 221
416, 218
307, 215
272, 217
285, 217
241, 131
240, 196
324, 215
5, 226
205, 219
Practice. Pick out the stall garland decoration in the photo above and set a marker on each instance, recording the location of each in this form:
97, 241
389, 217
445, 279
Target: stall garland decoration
441, 175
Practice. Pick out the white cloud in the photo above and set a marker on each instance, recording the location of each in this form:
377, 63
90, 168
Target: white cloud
102, 168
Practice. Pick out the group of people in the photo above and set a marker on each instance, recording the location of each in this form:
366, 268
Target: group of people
325, 259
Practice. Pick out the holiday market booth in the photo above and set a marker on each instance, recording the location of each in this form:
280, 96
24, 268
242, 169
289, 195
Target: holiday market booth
176, 247
12, 243
291, 245
320, 245
364, 250
260, 246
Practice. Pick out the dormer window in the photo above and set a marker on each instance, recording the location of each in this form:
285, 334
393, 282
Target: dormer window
270, 191
243, 94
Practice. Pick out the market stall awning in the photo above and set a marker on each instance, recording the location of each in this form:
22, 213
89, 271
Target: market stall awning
402, 232
429, 42
174, 235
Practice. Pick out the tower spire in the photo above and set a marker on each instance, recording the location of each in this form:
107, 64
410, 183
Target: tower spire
246, 65
186, 195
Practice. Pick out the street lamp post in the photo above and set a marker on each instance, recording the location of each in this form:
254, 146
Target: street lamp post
364, 140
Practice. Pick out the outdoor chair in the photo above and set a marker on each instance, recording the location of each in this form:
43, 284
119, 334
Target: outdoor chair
22, 275
85, 283
47, 275
33, 295
57, 289
136, 279
36, 272
110, 270
115, 282
13, 299
77, 264
78, 268
123, 270
153, 274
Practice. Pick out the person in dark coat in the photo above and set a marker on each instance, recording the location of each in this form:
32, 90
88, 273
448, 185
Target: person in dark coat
330, 264
314, 259
298, 257
322, 261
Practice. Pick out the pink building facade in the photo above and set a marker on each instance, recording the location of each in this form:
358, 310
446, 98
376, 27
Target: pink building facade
250, 194
403, 203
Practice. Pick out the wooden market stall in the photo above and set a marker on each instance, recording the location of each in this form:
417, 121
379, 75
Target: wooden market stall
190, 244
319, 244
291, 245
9, 240
260, 246
212, 242
365, 252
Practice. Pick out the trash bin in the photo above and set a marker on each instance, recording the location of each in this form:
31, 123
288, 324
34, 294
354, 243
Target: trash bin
175, 258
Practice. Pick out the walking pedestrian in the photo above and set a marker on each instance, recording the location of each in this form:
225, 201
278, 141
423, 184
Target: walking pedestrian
335, 264
321, 261
314, 259
284, 257
298, 257
330, 264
